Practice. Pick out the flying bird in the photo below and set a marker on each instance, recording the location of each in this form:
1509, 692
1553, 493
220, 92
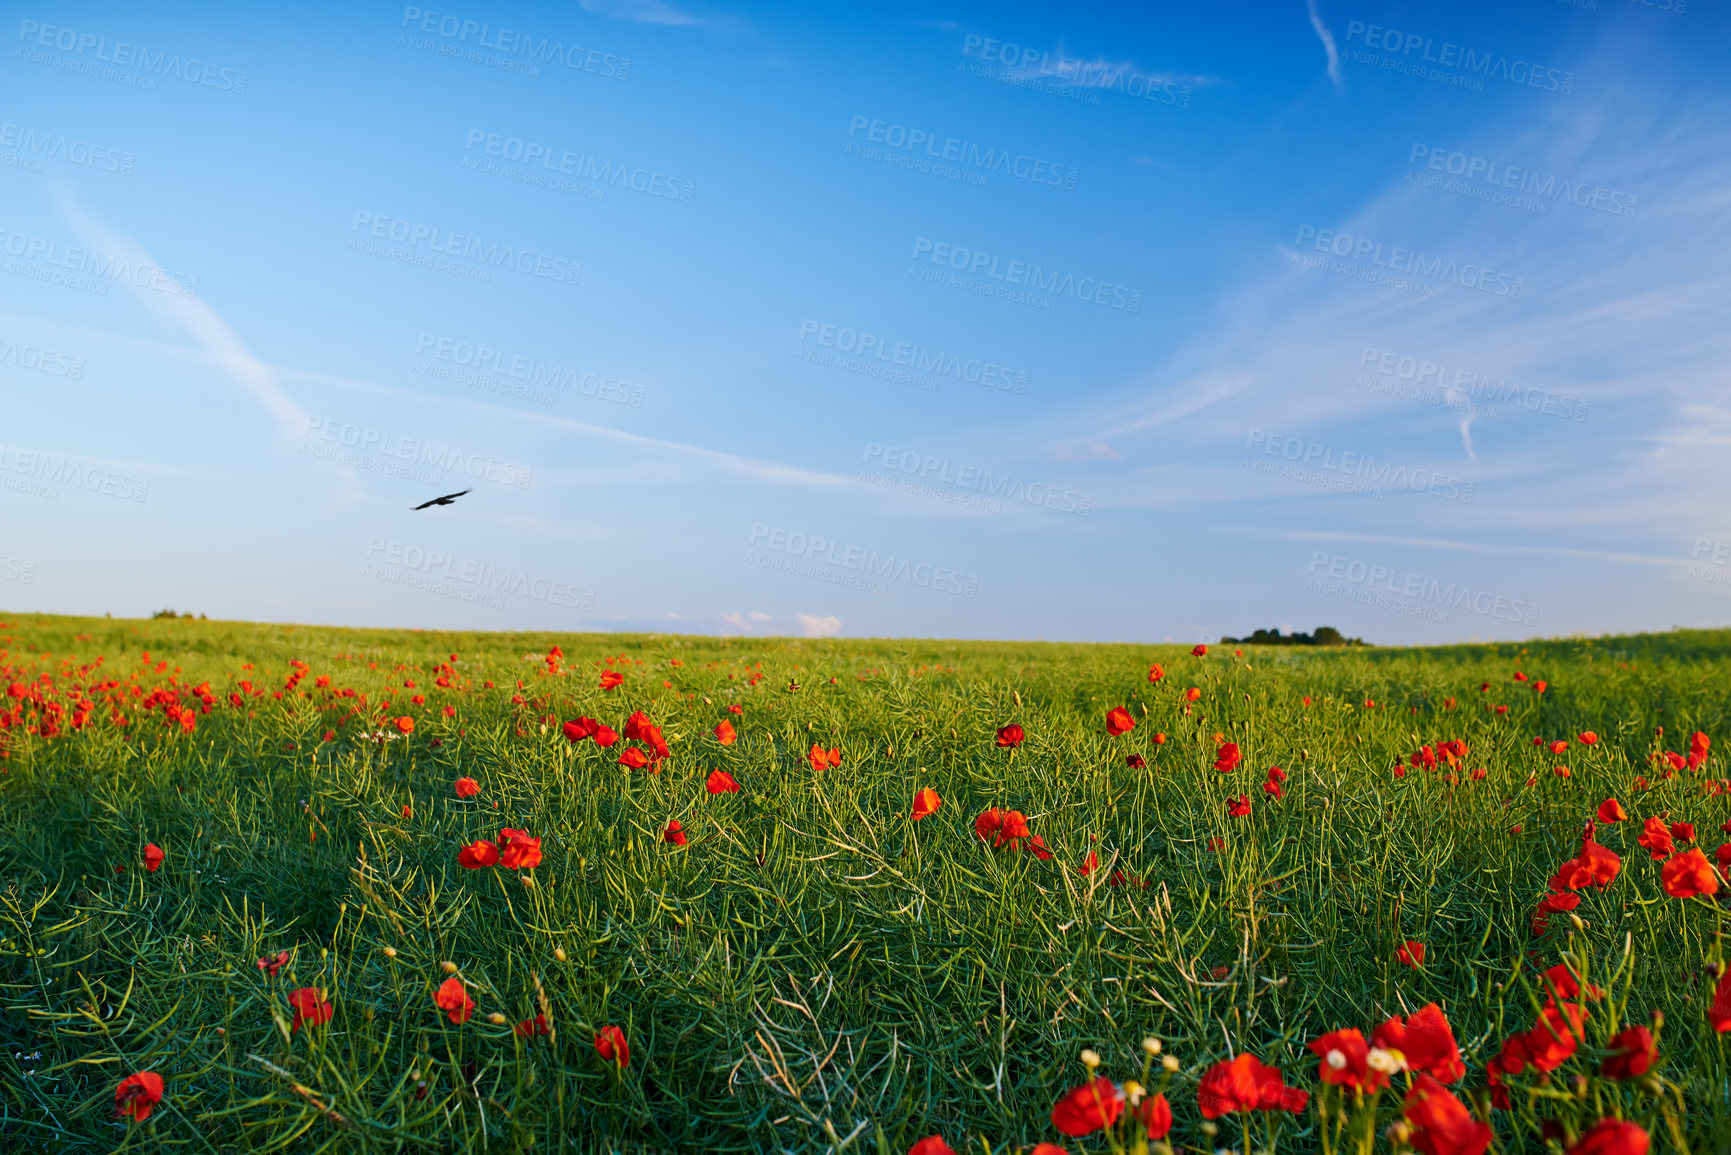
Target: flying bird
445, 500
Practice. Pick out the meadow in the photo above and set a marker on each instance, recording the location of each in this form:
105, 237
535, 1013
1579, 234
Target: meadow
281, 888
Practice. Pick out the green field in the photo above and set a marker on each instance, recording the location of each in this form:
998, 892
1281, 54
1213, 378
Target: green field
815, 969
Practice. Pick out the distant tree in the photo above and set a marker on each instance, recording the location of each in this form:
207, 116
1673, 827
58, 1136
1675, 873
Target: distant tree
1324, 636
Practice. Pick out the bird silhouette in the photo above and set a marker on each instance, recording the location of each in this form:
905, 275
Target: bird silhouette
445, 500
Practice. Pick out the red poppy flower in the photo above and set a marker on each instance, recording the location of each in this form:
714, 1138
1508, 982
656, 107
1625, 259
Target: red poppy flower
1119, 721
467, 787
1719, 1011
1159, 739
1037, 847
1588, 738
674, 833
986, 826
931, 1145
1411, 953
1092, 1107
310, 1007
736, 709
138, 1095
529, 1028
1440, 1123
822, 759
1596, 865
1555, 1036
1136, 762
454, 1000
1610, 810
724, 732
1154, 1113
1683, 831
272, 964
1011, 736
1192, 694
580, 728
611, 678
611, 1046
1200, 651
926, 802
1520, 677
517, 850
1238, 807
1246, 1084
1656, 837
1091, 863
153, 856
1689, 874
406, 724
604, 736
478, 854
633, 758
1346, 1061
1227, 757
721, 782
1612, 1137
1155, 673
1633, 1050
1427, 1041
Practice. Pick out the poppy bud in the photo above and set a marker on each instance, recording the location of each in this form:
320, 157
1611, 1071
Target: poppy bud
496, 1019
449, 968
1170, 1062
1090, 1058
389, 952
1151, 1045
559, 953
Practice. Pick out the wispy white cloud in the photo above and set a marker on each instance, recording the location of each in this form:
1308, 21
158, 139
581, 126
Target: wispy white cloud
646, 12
191, 315
1327, 39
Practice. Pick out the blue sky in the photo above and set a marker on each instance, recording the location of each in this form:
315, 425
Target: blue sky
966, 321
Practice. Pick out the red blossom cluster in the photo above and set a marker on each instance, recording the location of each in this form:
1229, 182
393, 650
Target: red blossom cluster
1008, 830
